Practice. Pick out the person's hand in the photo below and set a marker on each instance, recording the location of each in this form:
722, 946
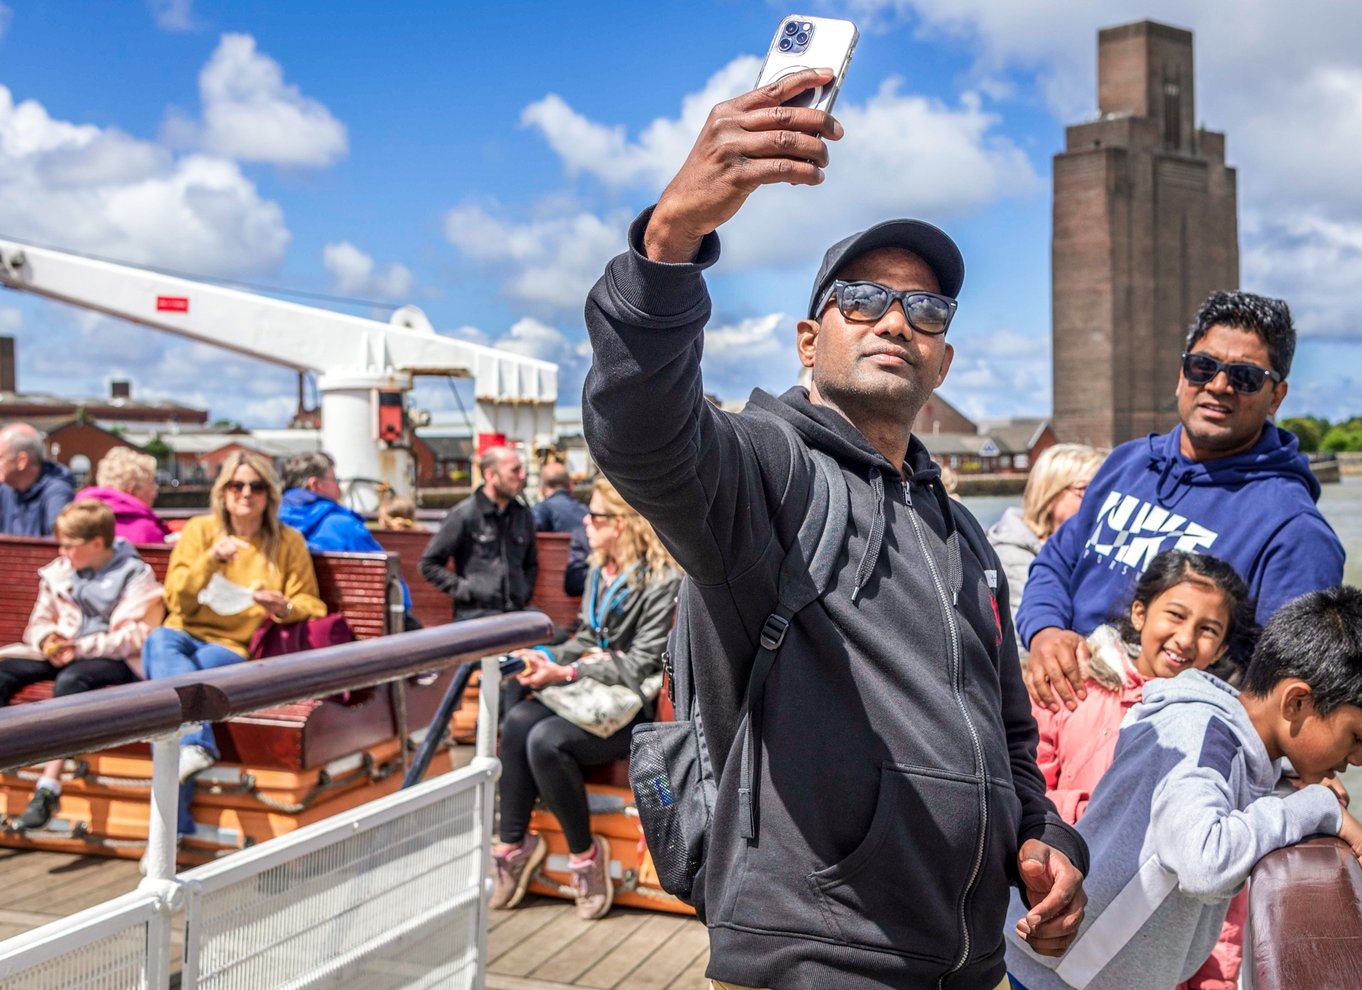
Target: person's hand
746, 142
276, 603
541, 672
226, 548
52, 644
1052, 673
1351, 833
1054, 894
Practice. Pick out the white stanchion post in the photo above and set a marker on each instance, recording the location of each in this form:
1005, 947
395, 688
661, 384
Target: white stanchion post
489, 708
159, 859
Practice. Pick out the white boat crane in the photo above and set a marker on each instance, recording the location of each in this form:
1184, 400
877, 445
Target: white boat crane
364, 367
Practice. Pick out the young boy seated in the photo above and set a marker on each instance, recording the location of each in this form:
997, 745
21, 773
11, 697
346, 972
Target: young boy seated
1188, 808
96, 603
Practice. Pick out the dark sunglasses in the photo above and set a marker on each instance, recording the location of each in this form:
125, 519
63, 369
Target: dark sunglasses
1245, 379
256, 487
599, 517
866, 302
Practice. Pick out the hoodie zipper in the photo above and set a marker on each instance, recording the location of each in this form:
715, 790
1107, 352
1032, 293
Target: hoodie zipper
948, 610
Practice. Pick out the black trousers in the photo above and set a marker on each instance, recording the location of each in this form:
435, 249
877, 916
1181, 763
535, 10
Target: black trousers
542, 755
77, 676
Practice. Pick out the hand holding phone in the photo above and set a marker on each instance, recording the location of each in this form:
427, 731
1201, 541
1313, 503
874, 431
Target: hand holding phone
803, 42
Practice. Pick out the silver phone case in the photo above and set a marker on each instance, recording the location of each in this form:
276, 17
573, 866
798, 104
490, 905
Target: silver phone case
831, 45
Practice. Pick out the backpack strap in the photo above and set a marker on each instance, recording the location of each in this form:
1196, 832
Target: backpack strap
805, 573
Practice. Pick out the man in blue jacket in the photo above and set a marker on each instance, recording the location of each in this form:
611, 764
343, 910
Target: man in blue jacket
1225, 481
558, 512
33, 490
311, 505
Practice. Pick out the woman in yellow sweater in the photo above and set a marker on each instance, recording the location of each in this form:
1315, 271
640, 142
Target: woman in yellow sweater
230, 570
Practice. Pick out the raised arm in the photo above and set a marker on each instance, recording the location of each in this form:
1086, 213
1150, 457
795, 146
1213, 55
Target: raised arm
682, 464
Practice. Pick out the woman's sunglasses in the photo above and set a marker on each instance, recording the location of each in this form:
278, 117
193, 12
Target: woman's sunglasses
1245, 379
600, 517
256, 487
866, 302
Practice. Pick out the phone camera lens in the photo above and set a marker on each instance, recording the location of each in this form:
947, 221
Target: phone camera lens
791, 27
785, 44
802, 38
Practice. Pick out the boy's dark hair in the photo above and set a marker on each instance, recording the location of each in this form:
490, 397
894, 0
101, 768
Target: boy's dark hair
1269, 318
1317, 638
84, 519
1173, 567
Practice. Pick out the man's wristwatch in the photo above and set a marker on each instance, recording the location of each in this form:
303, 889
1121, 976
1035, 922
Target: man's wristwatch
574, 672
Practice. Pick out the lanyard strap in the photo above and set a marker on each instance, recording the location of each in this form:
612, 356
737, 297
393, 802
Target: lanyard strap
615, 595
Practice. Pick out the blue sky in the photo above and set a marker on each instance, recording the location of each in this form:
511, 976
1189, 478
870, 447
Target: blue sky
482, 161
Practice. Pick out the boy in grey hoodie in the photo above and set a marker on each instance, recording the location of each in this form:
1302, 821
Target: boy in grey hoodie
1187, 808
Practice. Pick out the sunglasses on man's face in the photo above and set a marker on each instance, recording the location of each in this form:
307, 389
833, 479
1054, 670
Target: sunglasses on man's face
1200, 369
256, 487
866, 302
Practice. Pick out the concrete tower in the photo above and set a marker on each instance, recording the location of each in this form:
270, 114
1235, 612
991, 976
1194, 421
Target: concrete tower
1144, 229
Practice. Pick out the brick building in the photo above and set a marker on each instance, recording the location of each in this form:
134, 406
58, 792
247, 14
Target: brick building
1144, 228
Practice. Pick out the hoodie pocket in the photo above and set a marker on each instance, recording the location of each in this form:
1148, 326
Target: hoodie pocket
902, 888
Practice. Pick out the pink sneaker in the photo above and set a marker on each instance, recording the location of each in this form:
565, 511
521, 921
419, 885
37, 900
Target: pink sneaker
591, 881
512, 871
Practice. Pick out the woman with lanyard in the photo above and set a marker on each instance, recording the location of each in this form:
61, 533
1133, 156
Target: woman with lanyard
627, 612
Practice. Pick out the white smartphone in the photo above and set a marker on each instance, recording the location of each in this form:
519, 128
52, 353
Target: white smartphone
803, 42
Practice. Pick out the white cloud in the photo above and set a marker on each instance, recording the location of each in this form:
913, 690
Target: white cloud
970, 164
999, 373
548, 264
173, 15
251, 114
355, 274
607, 152
102, 191
531, 338
11, 320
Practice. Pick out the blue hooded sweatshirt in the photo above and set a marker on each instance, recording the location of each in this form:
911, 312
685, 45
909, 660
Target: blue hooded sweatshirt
1255, 510
330, 526
32, 511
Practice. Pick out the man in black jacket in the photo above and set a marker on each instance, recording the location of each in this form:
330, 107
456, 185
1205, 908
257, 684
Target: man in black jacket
490, 537
898, 794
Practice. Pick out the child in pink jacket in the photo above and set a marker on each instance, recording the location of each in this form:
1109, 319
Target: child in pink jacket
96, 603
1187, 609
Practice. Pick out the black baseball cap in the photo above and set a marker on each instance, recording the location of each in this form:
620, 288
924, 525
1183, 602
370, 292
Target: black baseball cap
929, 243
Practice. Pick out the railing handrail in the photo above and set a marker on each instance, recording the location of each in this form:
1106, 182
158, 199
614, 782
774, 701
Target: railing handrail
1305, 918
46, 730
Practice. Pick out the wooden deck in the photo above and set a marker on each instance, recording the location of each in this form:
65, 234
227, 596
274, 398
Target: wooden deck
541, 945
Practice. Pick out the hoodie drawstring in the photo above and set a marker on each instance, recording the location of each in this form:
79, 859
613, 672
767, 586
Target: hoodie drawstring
872, 546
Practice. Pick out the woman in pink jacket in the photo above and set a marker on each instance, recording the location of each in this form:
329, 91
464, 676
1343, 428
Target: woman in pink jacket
125, 481
1187, 609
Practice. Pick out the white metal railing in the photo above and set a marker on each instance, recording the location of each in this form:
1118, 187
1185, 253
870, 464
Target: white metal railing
391, 893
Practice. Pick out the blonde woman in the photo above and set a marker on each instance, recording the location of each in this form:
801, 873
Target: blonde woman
1054, 491
626, 614
125, 481
230, 571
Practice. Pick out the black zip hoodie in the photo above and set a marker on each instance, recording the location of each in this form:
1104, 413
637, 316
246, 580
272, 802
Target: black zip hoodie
897, 750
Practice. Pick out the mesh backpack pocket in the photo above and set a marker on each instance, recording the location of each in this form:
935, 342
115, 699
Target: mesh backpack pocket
674, 792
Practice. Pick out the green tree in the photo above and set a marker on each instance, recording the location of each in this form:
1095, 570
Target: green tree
1307, 430
1343, 437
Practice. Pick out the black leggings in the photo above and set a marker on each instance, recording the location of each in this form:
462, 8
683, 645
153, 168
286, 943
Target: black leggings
542, 755
77, 676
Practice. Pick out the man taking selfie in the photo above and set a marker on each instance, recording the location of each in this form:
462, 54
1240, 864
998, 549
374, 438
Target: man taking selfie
896, 796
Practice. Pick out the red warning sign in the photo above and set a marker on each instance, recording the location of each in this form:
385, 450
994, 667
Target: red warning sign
172, 304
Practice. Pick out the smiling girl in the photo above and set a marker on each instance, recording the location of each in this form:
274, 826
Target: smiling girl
1187, 609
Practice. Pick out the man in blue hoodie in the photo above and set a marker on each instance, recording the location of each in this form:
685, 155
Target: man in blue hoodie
311, 505
1225, 481
33, 490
